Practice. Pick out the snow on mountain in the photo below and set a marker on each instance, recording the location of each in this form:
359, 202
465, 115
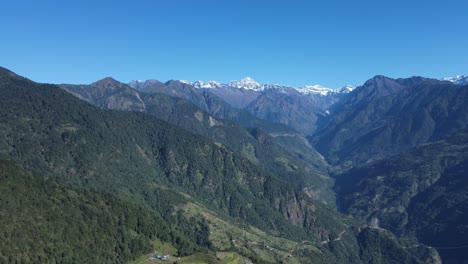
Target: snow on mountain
250, 84
318, 89
346, 89
458, 80
315, 89
246, 83
206, 85
185, 82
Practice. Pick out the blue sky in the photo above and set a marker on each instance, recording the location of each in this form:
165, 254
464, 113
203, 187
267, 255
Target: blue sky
293, 42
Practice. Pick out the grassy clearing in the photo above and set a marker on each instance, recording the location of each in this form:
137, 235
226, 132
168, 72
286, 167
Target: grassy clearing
248, 240
200, 258
214, 258
231, 258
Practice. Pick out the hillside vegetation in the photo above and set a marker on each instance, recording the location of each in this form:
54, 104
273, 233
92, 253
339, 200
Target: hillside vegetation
77, 160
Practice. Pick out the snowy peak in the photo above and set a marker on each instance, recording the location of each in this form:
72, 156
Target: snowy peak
346, 89
206, 85
458, 80
185, 82
246, 83
315, 89
318, 89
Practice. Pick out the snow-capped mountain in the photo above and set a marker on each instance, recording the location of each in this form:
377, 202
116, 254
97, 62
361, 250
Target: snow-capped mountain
318, 89
346, 89
458, 80
206, 85
315, 89
249, 84
246, 83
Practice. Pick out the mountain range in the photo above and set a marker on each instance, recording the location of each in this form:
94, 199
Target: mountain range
267, 173
248, 83
299, 109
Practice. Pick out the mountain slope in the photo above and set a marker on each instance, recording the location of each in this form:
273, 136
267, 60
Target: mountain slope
297, 108
44, 222
287, 106
257, 146
386, 116
107, 93
273, 103
208, 101
238, 98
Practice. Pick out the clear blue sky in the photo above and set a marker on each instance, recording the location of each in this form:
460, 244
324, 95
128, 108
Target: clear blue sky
287, 42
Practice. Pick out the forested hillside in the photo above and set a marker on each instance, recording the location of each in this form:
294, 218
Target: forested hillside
46, 222
302, 167
151, 167
421, 193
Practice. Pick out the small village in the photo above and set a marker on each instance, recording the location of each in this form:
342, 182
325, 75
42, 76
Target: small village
156, 257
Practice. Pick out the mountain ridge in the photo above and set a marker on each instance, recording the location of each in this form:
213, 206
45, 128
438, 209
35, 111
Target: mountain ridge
389, 115
248, 83
181, 112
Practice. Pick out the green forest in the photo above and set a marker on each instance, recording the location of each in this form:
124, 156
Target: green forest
83, 184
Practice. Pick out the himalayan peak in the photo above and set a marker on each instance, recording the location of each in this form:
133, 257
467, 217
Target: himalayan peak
246, 83
458, 80
249, 83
